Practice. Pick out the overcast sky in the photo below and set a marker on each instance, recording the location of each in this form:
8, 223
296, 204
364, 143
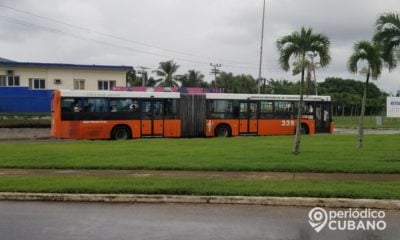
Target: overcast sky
193, 33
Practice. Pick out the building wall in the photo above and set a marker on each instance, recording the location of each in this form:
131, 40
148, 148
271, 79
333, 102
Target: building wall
67, 76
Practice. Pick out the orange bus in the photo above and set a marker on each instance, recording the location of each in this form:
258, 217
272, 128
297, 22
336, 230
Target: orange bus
125, 115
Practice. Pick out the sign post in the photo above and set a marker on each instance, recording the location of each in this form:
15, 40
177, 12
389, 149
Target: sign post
393, 107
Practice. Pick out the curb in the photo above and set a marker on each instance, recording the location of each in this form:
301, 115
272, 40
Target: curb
240, 200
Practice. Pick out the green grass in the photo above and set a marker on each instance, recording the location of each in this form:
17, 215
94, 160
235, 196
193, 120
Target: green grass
319, 153
369, 122
196, 186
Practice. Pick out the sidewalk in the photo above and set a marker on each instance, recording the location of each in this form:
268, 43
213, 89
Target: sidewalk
182, 199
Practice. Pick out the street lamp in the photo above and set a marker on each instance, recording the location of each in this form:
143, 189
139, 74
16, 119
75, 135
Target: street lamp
261, 49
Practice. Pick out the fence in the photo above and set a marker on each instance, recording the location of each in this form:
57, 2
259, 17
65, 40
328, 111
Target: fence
23, 99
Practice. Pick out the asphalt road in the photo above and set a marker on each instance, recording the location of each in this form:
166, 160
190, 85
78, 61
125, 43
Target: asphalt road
54, 220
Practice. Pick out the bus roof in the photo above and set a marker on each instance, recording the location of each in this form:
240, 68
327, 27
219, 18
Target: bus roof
221, 96
118, 94
235, 96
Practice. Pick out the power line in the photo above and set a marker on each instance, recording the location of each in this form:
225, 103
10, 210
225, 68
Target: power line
57, 31
117, 37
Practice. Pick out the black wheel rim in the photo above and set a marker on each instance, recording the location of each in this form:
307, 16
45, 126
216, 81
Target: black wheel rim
222, 132
121, 134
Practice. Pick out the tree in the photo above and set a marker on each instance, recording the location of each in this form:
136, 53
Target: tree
166, 71
132, 79
236, 83
387, 34
347, 94
297, 45
281, 87
245, 84
372, 54
151, 82
193, 79
225, 80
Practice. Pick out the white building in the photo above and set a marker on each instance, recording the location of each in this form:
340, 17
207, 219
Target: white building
61, 76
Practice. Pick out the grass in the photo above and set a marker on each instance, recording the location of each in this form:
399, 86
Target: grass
196, 186
319, 153
369, 122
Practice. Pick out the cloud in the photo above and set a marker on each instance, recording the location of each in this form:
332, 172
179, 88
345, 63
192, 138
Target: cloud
207, 31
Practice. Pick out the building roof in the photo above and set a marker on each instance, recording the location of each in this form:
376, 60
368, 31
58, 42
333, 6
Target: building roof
9, 63
5, 60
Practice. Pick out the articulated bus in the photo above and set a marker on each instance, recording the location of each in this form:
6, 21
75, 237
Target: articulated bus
124, 115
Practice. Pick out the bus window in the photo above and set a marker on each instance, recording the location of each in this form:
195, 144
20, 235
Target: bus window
283, 109
97, 105
171, 109
236, 109
67, 104
146, 110
243, 110
266, 109
158, 108
253, 110
220, 109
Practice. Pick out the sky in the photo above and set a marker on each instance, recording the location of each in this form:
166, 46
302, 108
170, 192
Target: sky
193, 33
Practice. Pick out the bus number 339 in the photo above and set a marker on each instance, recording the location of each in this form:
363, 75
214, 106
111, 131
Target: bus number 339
287, 123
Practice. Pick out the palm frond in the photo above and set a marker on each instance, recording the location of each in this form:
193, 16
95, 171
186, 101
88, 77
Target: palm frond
299, 43
369, 52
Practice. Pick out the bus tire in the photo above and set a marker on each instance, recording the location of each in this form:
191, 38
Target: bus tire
304, 129
222, 131
121, 133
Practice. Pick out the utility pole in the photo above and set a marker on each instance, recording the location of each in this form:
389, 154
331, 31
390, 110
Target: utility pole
215, 71
261, 49
143, 72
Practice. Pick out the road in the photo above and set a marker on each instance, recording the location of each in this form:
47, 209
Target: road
59, 221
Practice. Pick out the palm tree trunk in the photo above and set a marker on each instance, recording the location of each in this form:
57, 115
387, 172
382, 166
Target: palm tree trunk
361, 125
296, 145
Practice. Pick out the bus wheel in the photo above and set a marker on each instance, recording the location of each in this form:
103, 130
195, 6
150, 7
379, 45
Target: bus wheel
120, 133
304, 129
223, 131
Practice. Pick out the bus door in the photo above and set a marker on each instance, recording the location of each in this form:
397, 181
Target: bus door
152, 117
322, 117
248, 118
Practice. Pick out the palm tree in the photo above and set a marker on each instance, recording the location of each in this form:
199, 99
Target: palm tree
166, 71
372, 54
193, 78
388, 35
297, 45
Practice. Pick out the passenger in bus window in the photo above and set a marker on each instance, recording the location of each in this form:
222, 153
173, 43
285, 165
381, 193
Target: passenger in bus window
288, 107
132, 107
77, 108
310, 109
326, 116
114, 108
228, 109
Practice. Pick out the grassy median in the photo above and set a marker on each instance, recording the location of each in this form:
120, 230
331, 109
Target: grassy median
369, 122
197, 186
319, 153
